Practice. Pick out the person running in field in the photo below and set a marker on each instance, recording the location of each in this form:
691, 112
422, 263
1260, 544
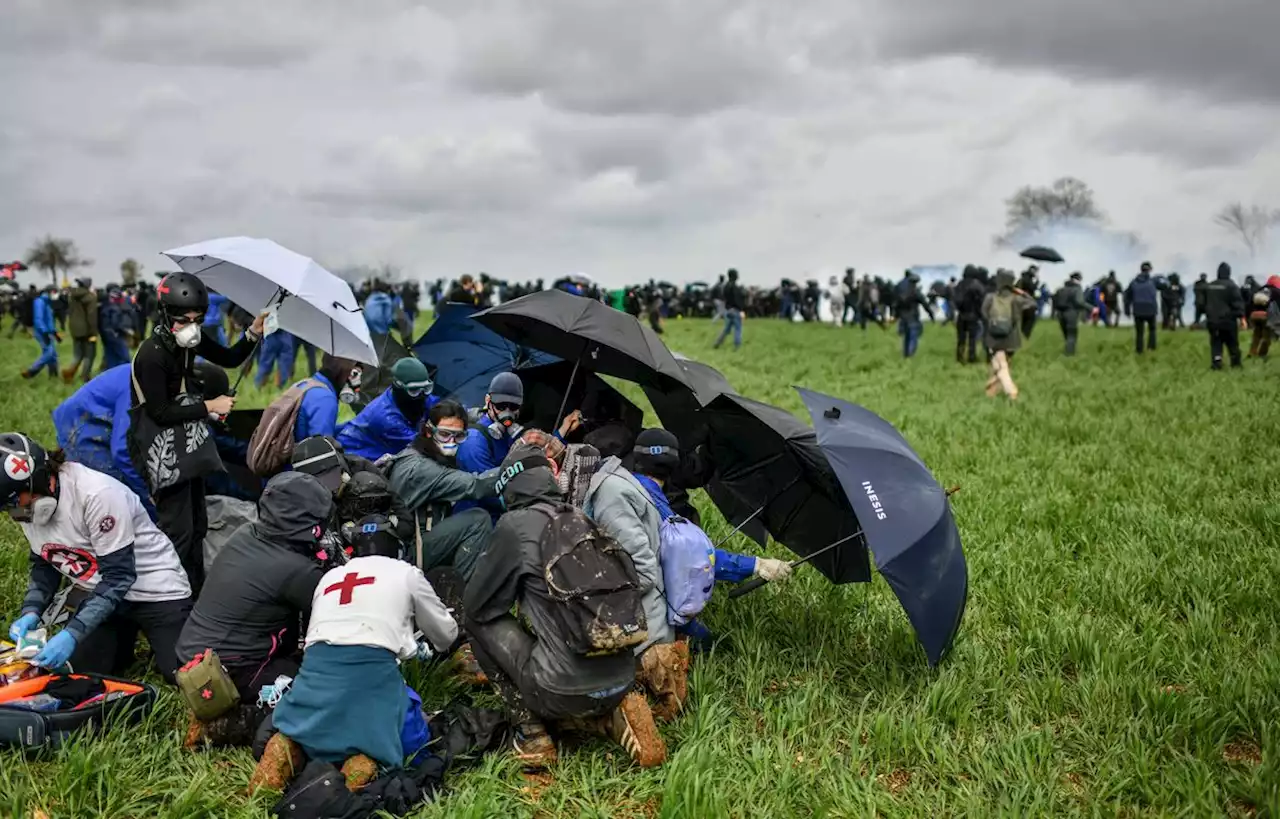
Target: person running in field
1001, 314
46, 334
1224, 309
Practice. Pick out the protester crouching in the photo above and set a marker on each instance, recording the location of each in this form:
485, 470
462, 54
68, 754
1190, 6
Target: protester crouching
93, 530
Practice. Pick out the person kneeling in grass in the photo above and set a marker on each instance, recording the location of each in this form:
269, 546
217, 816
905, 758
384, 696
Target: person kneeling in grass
349, 704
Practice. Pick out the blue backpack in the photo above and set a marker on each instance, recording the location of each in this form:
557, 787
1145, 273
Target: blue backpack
688, 561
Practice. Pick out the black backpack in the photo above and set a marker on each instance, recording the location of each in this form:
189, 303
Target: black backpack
595, 583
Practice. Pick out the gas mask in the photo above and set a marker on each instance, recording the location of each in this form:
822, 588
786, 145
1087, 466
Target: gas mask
506, 421
351, 390
187, 336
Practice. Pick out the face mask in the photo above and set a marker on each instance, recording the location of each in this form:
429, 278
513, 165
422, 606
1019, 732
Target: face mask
448, 450
348, 395
187, 336
40, 512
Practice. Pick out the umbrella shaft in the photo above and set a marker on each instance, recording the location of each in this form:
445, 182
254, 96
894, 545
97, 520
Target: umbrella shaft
825, 549
564, 402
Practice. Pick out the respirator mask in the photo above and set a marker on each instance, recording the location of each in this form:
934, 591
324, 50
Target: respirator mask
186, 333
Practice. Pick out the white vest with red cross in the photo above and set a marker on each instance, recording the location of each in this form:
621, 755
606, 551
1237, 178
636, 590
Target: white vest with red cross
376, 601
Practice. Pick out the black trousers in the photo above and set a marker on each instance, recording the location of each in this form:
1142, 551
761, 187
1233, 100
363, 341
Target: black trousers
1029, 322
184, 518
503, 649
967, 332
1224, 335
250, 679
108, 649
1150, 323
1070, 331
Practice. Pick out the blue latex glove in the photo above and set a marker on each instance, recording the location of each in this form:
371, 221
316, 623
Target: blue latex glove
56, 652
22, 625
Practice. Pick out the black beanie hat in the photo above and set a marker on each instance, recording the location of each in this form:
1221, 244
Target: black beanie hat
657, 453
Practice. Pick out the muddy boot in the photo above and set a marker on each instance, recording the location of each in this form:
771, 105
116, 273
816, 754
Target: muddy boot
467, 668
631, 725
664, 672
281, 761
359, 770
533, 746
234, 729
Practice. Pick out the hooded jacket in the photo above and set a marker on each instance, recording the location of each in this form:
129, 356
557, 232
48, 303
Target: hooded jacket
1223, 302
82, 318
1069, 304
511, 573
263, 579
380, 429
93, 429
1021, 303
1142, 299
42, 320
622, 508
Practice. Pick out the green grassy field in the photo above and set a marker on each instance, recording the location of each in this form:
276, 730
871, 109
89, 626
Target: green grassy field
1119, 655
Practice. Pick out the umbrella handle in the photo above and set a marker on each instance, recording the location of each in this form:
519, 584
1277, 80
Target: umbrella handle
748, 587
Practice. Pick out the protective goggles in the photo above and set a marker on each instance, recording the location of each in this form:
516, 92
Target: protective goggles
416, 389
449, 436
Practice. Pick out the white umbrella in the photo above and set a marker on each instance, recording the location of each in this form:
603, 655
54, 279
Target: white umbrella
314, 304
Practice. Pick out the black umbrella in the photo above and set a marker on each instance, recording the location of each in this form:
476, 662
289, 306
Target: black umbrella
600, 403
680, 411
1042, 254
588, 333
905, 516
769, 462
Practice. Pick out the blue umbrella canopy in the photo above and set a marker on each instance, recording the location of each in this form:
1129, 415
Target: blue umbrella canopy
904, 513
466, 354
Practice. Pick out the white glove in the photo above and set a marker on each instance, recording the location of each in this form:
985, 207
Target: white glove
770, 569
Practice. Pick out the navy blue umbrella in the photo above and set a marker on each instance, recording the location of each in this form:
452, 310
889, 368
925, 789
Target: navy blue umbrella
466, 354
904, 514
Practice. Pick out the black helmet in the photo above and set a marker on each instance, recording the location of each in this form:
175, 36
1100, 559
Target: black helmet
367, 493
25, 467
182, 293
374, 535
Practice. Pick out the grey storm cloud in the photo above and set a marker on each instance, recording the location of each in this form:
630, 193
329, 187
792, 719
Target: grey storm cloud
623, 137
1226, 48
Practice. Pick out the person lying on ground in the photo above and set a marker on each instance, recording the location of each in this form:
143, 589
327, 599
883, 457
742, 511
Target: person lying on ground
348, 703
426, 478
93, 530
390, 421
260, 584
543, 672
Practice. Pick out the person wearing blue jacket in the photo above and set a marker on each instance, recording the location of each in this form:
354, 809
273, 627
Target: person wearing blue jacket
654, 461
393, 419
276, 350
93, 429
115, 327
318, 411
46, 334
214, 317
380, 310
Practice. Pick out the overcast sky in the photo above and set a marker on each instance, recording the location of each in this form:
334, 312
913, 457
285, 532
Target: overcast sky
627, 140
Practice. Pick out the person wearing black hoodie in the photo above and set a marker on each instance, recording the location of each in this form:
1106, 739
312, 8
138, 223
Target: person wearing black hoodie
259, 586
1142, 301
1224, 309
1200, 291
539, 677
967, 305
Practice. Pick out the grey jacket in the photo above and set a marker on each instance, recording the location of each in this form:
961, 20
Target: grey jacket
430, 488
621, 507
